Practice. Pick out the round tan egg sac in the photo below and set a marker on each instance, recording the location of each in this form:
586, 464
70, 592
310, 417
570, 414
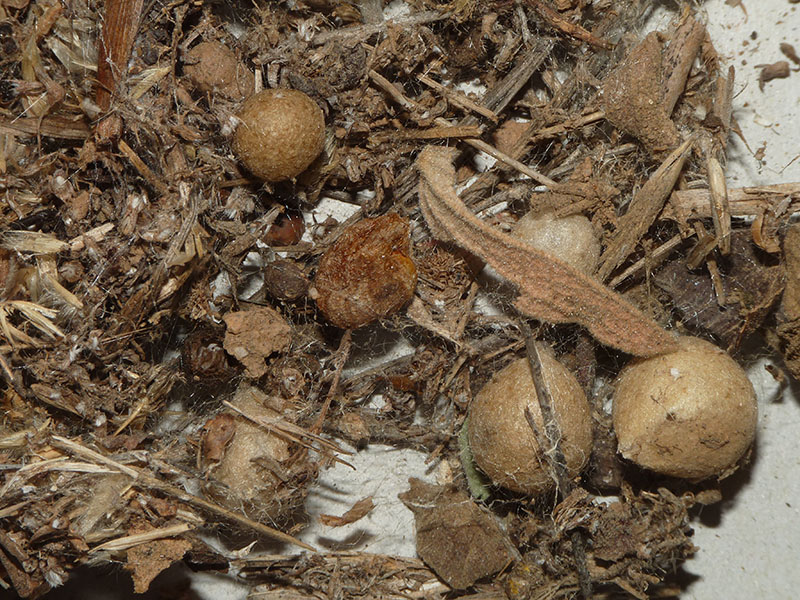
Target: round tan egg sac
280, 133
247, 467
213, 67
691, 413
503, 443
571, 239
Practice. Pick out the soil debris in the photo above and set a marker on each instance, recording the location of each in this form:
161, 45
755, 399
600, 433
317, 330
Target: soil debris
254, 335
776, 70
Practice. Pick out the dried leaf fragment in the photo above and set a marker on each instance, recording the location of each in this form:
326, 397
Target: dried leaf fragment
788, 328
218, 432
549, 289
359, 510
679, 56
253, 335
633, 97
146, 561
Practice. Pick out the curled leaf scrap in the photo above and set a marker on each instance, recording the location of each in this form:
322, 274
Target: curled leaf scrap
549, 289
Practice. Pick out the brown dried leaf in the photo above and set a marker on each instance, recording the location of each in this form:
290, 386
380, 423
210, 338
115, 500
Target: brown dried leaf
767, 223
790, 306
633, 97
146, 561
359, 510
549, 289
455, 538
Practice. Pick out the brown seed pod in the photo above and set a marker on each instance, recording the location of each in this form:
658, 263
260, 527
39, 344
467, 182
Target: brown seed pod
367, 273
280, 133
690, 413
501, 440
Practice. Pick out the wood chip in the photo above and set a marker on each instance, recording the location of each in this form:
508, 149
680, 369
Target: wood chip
121, 23
743, 202
643, 210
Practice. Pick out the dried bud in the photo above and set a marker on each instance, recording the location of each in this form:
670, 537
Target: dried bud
367, 274
285, 280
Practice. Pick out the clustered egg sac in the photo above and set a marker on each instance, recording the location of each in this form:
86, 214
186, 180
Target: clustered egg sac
691, 413
571, 239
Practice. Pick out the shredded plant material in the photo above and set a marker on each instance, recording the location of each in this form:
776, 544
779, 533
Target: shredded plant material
177, 334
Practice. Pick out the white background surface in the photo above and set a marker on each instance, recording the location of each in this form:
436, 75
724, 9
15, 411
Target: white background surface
750, 544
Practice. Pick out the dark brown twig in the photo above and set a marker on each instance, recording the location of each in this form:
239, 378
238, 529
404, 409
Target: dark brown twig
554, 19
343, 353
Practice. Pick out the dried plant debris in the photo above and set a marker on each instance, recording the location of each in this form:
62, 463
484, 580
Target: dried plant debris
621, 554
633, 97
776, 70
455, 538
148, 559
789, 313
359, 510
182, 335
253, 335
549, 288
752, 283
789, 52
